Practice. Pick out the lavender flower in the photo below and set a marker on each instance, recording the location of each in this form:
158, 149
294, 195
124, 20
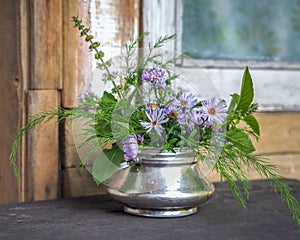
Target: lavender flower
156, 117
191, 118
197, 117
140, 139
215, 111
130, 147
152, 106
84, 96
182, 118
172, 111
185, 101
156, 77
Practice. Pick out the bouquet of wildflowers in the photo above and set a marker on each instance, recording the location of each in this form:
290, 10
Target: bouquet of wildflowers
143, 110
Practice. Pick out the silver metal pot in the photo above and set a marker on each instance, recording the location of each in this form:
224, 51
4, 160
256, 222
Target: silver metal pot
161, 184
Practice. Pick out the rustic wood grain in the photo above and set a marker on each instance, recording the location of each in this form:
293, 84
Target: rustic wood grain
76, 57
279, 144
288, 166
127, 16
280, 133
78, 182
46, 44
113, 23
11, 97
70, 156
43, 152
58, 59
99, 217
159, 19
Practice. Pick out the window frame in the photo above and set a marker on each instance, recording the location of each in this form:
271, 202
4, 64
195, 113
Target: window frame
164, 18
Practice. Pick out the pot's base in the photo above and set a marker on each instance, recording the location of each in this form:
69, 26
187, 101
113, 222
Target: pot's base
161, 213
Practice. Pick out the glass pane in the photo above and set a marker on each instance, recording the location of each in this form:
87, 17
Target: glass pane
247, 30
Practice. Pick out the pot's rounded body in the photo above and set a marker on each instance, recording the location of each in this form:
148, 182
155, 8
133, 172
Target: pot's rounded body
161, 184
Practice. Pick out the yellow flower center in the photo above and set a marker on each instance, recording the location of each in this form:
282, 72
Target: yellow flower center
153, 105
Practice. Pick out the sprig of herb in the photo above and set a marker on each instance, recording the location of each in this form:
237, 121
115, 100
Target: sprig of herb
99, 55
33, 121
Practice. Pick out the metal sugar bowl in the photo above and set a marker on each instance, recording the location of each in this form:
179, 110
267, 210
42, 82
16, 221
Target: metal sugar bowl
161, 184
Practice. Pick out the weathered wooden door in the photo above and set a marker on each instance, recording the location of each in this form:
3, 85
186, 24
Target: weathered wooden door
44, 65
32, 60
31, 79
11, 95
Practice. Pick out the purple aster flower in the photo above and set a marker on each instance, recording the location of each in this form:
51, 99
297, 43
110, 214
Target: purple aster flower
185, 101
191, 118
140, 139
156, 77
161, 83
172, 111
182, 118
197, 117
152, 106
215, 111
84, 96
130, 147
156, 117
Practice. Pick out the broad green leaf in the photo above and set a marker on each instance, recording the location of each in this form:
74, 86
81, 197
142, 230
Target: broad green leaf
240, 140
106, 164
108, 97
235, 98
193, 134
253, 124
247, 92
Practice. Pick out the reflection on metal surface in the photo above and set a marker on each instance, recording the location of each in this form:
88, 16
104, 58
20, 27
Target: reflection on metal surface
170, 187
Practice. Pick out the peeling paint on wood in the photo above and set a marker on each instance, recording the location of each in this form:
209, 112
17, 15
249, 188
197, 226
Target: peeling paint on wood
76, 57
128, 20
113, 23
159, 20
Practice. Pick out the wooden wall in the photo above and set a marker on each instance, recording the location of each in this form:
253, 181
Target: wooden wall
113, 23
31, 81
44, 64
279, 143
11, 95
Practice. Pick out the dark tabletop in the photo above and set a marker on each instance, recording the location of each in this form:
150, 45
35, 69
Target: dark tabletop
99, 217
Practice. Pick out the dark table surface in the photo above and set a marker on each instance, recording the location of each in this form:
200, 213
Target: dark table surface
99, 217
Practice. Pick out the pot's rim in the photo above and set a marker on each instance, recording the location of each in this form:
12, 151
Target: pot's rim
159, 156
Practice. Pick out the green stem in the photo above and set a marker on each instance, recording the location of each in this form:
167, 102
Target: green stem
99, 54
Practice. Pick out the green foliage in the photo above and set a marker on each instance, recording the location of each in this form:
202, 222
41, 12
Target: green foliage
94, 46
234, 101
106, 164
102, 126
112, 117
237, 151
240, 140
231, 166
247, 92
33, 121
253, 124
